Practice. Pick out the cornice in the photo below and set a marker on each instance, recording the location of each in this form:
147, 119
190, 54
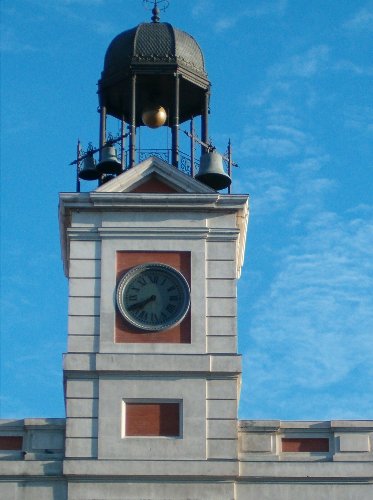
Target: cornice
172, 233
97, 233
151, 201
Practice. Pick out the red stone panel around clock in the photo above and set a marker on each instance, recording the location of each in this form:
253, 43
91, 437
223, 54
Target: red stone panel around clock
127, 333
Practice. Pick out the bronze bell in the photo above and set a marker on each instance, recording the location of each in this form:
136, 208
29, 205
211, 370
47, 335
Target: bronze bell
88, 171
109, 163
106, 178
211, 171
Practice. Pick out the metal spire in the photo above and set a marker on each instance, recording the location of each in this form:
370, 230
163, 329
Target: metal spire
156, 6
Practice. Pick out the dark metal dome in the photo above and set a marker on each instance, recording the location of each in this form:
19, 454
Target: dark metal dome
154, 52
153, 43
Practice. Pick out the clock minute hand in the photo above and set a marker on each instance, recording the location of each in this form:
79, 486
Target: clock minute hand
141, 304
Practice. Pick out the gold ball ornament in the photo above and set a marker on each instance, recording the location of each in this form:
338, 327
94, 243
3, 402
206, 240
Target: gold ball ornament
154, 117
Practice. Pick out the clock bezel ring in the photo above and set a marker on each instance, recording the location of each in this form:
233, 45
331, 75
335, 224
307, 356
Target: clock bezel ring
138, 270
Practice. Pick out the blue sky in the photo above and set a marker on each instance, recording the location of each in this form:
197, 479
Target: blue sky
292, 88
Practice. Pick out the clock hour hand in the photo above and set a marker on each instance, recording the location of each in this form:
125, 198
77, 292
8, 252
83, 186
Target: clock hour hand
141, 304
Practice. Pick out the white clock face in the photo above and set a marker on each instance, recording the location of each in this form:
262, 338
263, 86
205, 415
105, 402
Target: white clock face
153, 297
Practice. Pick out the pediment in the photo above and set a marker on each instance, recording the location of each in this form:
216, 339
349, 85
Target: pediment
154, 176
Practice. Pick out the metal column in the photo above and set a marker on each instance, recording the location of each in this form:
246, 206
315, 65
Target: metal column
175, 124
133, 124
205, 122
102, 129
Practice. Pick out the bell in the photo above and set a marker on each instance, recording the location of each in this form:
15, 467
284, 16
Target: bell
106, 178
154, 117
109, 163
211, 171
88, 171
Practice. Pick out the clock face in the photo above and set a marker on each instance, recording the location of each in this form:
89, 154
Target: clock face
153, 297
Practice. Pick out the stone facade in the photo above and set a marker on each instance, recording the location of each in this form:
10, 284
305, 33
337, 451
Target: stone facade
39, 471
89, 455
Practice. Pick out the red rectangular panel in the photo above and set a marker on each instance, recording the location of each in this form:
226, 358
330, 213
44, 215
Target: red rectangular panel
305, 444
11, 442
153, 419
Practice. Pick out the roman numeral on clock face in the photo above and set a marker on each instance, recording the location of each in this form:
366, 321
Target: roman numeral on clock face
171, 308
143, 315
154, 318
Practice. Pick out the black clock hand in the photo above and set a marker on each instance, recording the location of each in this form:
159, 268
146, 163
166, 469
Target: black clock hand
141, 304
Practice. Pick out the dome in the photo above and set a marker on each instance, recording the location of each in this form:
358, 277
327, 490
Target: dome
154, 52
155, 43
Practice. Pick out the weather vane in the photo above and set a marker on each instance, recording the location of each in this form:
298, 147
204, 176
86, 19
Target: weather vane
156, 6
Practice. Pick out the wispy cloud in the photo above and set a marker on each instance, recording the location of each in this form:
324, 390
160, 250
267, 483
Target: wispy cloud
316, 319
225, 23
266, 8
279, 147
359, 118
67, 9
313, 310
304, 65
103, 27
76, 12
12, 44
202, 8
352, 67
362, 19
270, 191
316, 316
274, 140
80, 2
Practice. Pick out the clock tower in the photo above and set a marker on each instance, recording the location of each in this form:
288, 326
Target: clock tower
152, 389
152, 375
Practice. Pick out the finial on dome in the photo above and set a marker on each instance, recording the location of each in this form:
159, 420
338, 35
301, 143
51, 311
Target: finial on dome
158, 6
155, 12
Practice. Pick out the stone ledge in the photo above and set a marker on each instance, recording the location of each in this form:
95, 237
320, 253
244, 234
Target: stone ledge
307, 470
313, 426
153, 363
353, 457
133, 468
21, 468
20, 424
352, 425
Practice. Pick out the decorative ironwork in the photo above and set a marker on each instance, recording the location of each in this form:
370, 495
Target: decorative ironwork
124, 158
186, 164
90, 149
163, 154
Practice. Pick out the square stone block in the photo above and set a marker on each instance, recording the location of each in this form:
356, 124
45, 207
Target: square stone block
42, 440
354, 442
256, 443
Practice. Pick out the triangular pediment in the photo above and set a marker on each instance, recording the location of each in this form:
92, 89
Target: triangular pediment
154, 176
